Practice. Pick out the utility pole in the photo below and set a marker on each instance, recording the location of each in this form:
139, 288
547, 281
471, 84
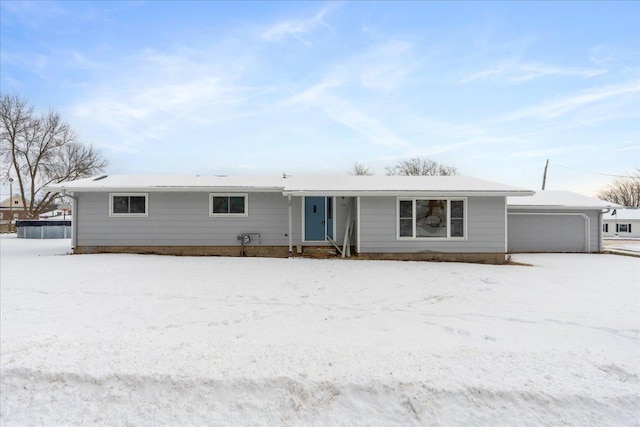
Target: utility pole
544, 177
10, 202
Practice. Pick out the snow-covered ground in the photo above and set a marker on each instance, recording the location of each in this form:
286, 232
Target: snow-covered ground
626, 245
160, 340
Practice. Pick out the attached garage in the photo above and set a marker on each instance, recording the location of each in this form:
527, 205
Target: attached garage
548, 232
555, 221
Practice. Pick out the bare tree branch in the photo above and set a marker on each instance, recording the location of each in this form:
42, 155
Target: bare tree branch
417, 166
40, 150
623, 191
360, 169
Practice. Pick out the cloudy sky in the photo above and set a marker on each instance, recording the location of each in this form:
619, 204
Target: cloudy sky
257, 88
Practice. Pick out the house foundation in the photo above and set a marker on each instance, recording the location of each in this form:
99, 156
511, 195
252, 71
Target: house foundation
322, 252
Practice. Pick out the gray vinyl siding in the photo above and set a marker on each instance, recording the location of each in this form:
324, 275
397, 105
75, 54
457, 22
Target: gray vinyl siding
182, 219
485, 228
343, 204
552, 230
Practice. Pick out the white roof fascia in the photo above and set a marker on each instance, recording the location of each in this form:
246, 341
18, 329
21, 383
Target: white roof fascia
164, 189
405, 193
560, 200
558, 207
298, 186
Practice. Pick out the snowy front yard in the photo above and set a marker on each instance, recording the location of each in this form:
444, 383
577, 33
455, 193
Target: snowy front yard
159, 340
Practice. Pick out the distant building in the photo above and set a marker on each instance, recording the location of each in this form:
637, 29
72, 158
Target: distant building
622, 223
12, 208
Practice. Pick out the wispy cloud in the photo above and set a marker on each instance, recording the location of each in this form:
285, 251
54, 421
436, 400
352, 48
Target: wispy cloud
36, 63
614, 57
354, 117
562, 106
161, 95
297, 28
344, 91
347, 113
156, 110
544, 152
515, 72
32, 14
383, 67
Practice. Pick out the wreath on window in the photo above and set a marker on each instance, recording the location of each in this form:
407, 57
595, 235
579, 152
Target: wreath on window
431, 223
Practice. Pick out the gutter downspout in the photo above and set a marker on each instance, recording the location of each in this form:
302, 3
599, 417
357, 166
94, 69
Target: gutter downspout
600, 231
74, 220
290, 228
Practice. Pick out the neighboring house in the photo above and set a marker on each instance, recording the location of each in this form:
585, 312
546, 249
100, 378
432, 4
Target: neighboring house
12, 208
15, 202
622, 223
382, 217
556, 221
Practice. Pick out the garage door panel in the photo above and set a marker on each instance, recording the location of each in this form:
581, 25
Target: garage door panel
546, 233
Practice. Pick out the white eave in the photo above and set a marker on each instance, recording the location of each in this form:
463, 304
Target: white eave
559, 200
168, 183
406, 193
431, 186
344, 185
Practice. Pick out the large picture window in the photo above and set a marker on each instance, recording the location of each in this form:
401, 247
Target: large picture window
128, 204
420, 218
228, 205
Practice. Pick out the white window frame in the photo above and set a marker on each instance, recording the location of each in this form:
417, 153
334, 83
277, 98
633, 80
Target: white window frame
432, 239
229, 215
129, 215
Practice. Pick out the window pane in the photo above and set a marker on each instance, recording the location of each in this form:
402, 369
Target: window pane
220, 205
137, 204
422, 209
237, 205
406, 209
120, 204
457, 209
457, 228
406, 227
431, 218
457, 218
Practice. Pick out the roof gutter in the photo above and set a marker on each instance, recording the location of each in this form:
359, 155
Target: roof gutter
407, 193
166, 189
557, 207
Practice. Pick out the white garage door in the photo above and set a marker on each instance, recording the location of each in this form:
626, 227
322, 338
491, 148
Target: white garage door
547, 233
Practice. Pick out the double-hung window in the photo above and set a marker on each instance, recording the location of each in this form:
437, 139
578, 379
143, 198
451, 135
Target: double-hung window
623, 228
438, 218
225, 204
129, 204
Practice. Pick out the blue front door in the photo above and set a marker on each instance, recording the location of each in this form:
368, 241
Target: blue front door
314, 218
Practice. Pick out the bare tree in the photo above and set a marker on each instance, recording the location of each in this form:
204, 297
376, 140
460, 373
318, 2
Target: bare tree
359, 169
40, 150
623, 191
417, 166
